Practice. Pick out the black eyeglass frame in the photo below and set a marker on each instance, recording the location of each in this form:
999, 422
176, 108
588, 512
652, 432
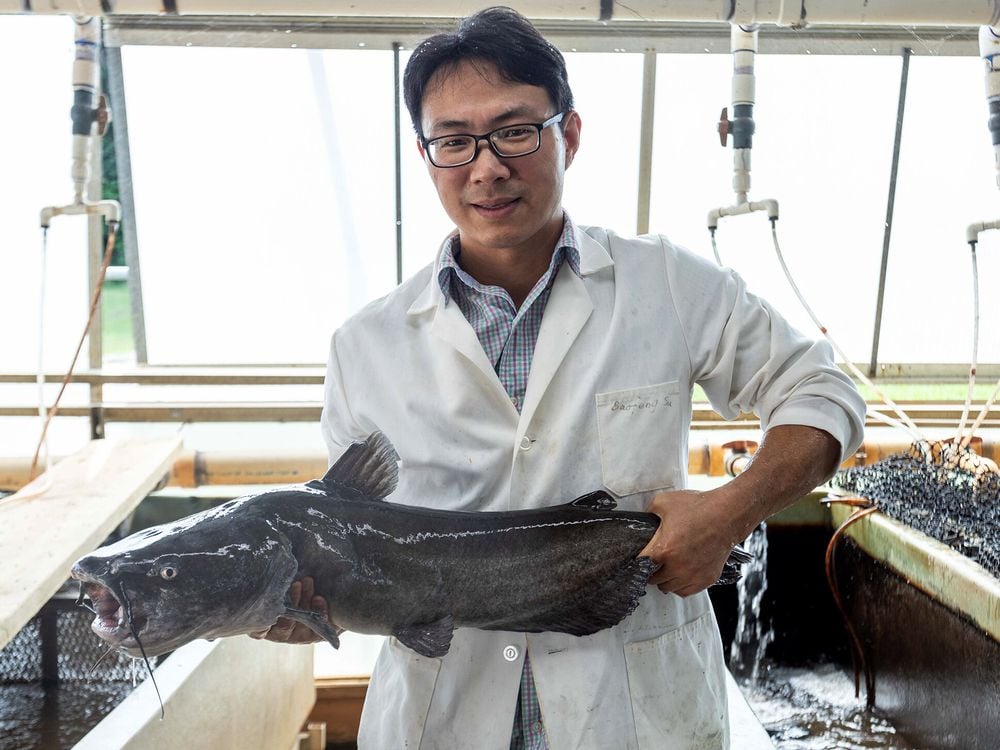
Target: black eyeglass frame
538, 126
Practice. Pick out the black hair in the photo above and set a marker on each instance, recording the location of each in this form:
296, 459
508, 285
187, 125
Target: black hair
498, 36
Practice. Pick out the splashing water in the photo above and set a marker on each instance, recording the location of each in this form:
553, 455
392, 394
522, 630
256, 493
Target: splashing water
753, 635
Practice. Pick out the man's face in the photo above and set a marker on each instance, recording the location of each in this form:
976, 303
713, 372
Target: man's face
499, 203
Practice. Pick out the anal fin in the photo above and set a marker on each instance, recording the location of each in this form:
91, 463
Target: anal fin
431, 639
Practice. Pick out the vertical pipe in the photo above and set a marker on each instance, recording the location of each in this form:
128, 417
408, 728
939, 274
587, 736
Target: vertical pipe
399, 164
887, 234
87, 180
989, 50
646, 140
127, 229
743, 40
86, 81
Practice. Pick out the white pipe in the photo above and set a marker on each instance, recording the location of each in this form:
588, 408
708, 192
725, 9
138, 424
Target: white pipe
973, 231
989, 50
743, 41
86, 82
783, 12
769, 206
86, 85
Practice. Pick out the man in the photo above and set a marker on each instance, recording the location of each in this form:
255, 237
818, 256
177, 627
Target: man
537, 360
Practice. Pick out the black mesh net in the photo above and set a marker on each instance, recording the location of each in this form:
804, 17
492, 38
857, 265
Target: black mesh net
76, 651
950, 495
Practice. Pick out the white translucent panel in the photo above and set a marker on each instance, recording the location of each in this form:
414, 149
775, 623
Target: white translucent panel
35, 158
425, 223
947, 181
603, 182
263, 184
608, 95
823, 150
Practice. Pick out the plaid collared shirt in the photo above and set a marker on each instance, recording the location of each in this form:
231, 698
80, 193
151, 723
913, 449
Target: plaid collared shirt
508, 337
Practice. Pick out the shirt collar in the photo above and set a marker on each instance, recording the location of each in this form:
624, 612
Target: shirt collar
449, 271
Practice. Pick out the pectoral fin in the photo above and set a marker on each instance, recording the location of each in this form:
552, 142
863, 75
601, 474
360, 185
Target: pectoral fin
315, 622
431, 639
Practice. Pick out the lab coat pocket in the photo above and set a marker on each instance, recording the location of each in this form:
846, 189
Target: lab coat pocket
677, 687
638, 430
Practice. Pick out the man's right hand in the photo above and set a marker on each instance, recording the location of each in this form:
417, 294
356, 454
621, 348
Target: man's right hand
301, 595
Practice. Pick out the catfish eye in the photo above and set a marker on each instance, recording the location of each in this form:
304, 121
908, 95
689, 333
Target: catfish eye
168, 572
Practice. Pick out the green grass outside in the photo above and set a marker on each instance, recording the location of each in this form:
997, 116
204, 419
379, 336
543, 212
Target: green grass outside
117, 319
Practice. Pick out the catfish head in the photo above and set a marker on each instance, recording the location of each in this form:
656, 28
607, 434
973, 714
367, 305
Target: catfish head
206, 576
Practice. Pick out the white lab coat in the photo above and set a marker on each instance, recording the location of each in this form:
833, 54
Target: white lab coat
607, 405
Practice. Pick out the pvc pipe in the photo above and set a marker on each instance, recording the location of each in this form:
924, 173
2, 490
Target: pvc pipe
973, 231
989, 50
84, 115
743, 40
770, 206
782, 12
86, 81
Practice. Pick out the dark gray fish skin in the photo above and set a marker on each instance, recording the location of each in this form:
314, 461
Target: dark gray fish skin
412, 572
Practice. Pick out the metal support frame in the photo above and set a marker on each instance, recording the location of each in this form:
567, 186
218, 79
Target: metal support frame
95, 256
123, 159
890, 207
646, 140
397, 87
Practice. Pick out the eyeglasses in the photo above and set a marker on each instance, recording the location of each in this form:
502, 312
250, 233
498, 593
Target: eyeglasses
507, 142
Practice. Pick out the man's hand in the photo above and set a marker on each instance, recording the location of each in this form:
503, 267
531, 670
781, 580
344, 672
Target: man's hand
693, 542
698, 529
300, 595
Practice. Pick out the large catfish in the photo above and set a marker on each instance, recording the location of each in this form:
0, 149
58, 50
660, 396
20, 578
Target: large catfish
412, 572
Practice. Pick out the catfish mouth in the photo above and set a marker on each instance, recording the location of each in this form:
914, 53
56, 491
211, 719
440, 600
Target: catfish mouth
110, 621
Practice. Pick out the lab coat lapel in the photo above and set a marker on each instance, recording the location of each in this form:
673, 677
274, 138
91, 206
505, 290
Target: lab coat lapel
568, 309
450, 326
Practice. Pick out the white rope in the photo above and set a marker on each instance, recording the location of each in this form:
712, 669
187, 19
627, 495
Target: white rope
959, 441
886, 419
46, 481
907, 423
40, 373
715, 250
982, 415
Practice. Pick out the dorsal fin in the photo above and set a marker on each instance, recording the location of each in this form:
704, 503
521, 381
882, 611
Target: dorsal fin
598, 500
368, 467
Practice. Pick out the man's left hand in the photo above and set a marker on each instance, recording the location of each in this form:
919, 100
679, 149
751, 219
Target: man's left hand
693, 542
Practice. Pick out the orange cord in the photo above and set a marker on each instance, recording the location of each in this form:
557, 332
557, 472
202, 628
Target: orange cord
857, 652
109, 250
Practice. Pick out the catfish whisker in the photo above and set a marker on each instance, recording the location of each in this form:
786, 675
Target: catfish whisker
98, 662
142, 650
